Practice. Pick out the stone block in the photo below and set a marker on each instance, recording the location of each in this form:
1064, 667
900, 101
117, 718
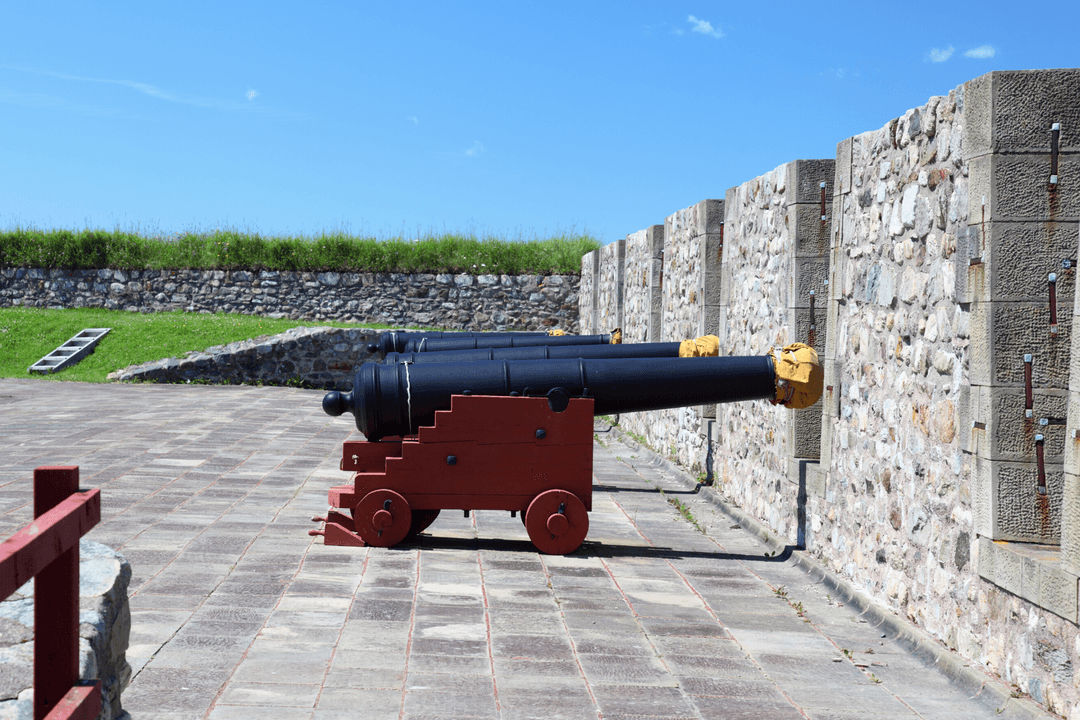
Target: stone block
1029, 575
810, 274
811, 233
1017, 262
1016, 188
801, 330
842, 167
986, 558
804, 178
995, 422
1012, 111
1003, 333
712, 250
656, 270
830, 397
815, 479
709, 217
804, 432
727, 283
999, 566
968, 413
1072, 437
611, 286
1008, 506
1070, 522
654, 237
1057, 590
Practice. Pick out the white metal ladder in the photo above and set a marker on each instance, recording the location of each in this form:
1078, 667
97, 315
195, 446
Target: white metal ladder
70, 352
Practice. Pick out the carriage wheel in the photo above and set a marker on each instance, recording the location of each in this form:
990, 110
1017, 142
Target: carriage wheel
557, 522
421, 520
382, 518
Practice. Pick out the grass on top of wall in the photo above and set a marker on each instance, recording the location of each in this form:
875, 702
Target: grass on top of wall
231, 249
28, 334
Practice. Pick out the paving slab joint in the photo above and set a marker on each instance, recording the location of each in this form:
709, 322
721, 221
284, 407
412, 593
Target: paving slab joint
920, 644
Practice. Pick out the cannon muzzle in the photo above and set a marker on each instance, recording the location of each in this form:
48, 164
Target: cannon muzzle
491, 340
542, 352
394, 340
398, 399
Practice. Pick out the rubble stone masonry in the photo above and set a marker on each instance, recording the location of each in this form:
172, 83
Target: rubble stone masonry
940, 473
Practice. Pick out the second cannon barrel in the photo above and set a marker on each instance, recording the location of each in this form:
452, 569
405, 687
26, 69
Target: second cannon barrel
395, 340
502, 341
542, 352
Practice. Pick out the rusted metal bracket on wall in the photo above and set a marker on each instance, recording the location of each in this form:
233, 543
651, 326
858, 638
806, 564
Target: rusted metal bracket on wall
1052, 282
1028, 395
1055, 138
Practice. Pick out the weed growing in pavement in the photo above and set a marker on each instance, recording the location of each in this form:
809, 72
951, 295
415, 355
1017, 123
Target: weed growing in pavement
683, 510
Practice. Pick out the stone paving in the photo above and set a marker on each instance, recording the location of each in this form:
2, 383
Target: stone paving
238, 613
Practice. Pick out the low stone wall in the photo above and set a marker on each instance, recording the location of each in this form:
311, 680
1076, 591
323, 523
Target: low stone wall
459, 302
324, 357
104, 627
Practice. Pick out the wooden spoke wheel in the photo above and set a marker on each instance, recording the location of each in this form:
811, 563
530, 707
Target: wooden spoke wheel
557, 522
382, 518
421, 520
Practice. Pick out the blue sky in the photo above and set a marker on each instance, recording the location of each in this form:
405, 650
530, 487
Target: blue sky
512, 119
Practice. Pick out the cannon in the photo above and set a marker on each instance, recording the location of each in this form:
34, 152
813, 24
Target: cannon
492, 340
394, 340
517, 435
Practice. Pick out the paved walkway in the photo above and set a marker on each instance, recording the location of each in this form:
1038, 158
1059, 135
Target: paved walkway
238, 613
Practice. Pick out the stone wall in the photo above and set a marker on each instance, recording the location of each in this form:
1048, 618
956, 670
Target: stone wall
459, 302
322, 357
104, 627
942, 485
641, 296
609, 289
672, 286
894, 510
774, 269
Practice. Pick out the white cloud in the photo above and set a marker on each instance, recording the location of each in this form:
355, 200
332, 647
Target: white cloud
937, 55
476, 149
704, 27
415, 120
981, 53
155, 92
40, 100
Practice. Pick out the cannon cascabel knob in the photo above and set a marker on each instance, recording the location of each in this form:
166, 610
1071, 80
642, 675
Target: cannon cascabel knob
335, 403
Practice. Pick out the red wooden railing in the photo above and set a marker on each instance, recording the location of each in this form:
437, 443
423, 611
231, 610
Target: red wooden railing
48, 549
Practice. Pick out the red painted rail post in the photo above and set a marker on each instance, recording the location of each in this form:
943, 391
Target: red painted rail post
56, 600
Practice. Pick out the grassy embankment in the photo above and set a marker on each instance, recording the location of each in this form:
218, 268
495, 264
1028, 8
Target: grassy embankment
231, 250
27, 334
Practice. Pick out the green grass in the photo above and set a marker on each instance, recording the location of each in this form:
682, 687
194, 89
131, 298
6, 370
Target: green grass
232, 249
28, 334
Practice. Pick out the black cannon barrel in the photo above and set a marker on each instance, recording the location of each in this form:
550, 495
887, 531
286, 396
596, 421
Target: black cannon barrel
397, 399
502, 341
542, 352
394, 340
